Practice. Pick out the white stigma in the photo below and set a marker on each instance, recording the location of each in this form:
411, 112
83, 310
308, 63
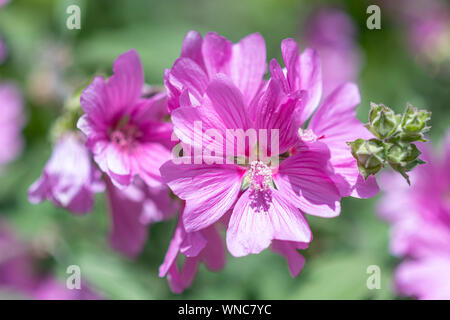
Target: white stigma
307, 135
260, 176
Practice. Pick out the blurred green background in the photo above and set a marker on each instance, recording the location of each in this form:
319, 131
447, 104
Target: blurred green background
48, 61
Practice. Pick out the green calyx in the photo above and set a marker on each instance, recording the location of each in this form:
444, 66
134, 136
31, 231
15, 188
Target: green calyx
393, 145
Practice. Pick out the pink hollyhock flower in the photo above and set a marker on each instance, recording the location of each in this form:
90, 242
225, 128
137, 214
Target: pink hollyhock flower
132, 210
333, 123
11, 123
199, 246
18, 275
332, 33
123, 131
201, 59
69, 179
271, 206
420, 225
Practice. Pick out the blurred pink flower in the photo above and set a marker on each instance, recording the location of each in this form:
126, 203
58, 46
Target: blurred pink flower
332, 33
123, 131
19, 275
205, 245
427, 26
69, 179
11, 123
132, 210
420, 225
333, 123
201, 59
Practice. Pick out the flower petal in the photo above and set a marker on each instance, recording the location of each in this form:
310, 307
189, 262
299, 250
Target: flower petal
260, 217
248, 65
216, 53
209, 190
128, 234
305, 179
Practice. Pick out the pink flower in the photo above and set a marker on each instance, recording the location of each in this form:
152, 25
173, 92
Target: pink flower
333, 123
123, 130
420, 225
199, 246
69, 179
18, 274
332, 33
11, 123
201, 59
132, 210
427, 27
272, 206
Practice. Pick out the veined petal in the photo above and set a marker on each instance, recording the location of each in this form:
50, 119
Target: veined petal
260, 217
124, 88
305, 179
336, 122
288, 249
310, 80
248, 65
128, 234
209, 190
216, 53
192, 47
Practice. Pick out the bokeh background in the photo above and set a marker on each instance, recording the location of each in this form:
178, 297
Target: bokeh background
49, 63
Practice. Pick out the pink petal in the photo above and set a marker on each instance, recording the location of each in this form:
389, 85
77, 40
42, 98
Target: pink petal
214, 253
192, 47
124, 88
223, 108
336, 122
310, 79
305, 179
187, 74
426, 279
146, 159
248, 65
290, 52
288, 249
95, 102
260, 217
128, 234
216, 53
209, 190
276, 111
118, 165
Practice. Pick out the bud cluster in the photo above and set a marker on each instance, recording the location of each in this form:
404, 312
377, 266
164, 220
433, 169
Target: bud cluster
393, 144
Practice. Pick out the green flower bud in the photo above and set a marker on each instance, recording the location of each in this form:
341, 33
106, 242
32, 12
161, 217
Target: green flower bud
402, 153
383, 122
403, 157
414, 123
369, 154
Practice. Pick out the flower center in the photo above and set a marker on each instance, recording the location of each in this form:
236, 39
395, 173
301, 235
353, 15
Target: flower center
307, 135
259, 176
125, 135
